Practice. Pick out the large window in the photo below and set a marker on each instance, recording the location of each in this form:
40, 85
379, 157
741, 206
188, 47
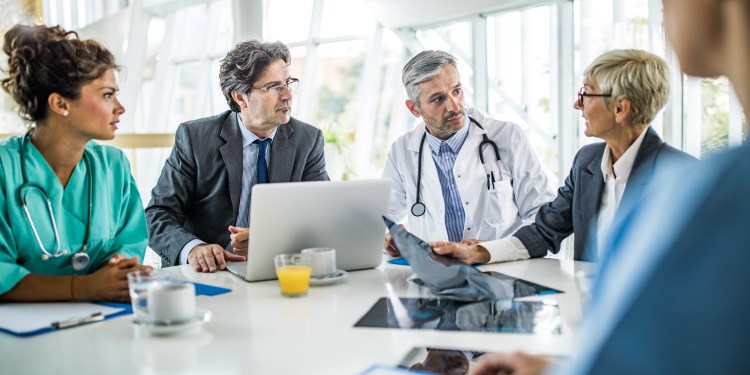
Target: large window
520, 78
520, 61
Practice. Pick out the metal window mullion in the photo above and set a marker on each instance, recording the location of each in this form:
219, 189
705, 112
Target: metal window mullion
204, 82
525, 33
135, 55
398, 123
479, 51
618, 18
566, 135
672, 125
49, 12
65, 14
164, 76
693, 116
656, 46
307, 94
735, 118
369, 81
655, 30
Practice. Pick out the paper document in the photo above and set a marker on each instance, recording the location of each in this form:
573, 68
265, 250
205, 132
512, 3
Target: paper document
27, 317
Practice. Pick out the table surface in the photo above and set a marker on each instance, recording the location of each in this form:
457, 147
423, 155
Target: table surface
254, 330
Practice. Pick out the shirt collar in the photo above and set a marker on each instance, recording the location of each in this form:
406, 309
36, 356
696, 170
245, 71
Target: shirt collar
624, 165
454, 142
249, 137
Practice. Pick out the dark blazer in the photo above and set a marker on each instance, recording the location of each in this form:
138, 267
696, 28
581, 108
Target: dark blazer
576, 206
198, 192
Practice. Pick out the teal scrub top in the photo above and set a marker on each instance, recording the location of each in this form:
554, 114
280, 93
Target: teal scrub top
118, 223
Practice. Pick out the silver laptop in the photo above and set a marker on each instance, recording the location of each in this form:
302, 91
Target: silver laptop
289, 217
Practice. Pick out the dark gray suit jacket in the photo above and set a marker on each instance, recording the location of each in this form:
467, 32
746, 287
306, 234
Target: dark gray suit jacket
198, 192
576, 206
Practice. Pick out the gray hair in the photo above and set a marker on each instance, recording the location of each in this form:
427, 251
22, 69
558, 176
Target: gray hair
244, 65
423, 67
637, 75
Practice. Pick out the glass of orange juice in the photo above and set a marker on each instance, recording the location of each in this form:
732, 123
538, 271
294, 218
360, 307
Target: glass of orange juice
293, 271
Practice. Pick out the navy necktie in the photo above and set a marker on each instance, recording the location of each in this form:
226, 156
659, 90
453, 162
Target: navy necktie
262, 168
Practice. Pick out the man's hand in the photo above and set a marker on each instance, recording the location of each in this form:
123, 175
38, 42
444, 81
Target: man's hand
210, 257
108, 283
239, 238
466, 251
389, 246
515, 363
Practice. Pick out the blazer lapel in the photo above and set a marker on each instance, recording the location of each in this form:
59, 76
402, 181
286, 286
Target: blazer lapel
643, 165
231, 153
592, 186
282, 154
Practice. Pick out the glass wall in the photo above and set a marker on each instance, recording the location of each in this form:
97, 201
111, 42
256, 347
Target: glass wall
521, 61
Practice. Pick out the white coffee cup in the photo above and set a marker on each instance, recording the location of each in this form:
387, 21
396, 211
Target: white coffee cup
171, 302
322, 260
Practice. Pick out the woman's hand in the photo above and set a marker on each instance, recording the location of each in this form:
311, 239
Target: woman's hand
466, 251
108, 283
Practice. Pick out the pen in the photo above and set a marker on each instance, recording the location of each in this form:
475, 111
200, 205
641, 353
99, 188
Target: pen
95, 317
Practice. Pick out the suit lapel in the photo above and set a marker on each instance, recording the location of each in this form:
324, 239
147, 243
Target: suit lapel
592, 186
643, 165
282, 154
231, 153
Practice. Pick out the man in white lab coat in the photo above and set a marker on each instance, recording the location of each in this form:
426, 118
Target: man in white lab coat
459, 175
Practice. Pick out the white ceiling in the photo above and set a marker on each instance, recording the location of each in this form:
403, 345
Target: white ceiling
415, 13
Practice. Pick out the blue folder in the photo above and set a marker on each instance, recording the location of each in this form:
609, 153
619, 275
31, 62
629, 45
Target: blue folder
123, 309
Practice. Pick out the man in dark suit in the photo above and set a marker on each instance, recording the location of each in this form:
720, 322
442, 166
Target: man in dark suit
604, 175
201, 203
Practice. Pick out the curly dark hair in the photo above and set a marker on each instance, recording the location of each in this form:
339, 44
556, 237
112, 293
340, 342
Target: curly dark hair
44, 60
244, 65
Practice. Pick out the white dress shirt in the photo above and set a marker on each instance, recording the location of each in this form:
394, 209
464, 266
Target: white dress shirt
615, 178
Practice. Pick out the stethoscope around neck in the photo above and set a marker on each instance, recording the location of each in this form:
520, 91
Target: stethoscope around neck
418, 208
79, 260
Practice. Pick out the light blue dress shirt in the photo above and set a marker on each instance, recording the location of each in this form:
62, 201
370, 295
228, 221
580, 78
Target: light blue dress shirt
249, 178
444, 154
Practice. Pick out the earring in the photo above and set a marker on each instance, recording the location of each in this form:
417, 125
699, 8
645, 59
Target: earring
66, 113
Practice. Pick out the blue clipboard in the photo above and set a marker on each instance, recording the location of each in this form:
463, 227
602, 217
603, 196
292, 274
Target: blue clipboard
120, 310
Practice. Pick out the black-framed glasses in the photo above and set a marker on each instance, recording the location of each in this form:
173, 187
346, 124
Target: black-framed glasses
277, 88
582, 92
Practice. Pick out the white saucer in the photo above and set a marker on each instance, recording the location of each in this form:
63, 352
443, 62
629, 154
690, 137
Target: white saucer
160, 329
328, 280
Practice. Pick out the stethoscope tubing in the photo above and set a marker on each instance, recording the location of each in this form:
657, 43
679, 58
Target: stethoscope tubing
418, 209
80, 260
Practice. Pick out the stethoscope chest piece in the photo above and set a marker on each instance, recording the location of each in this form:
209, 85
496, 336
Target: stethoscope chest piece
80, 260
418, 209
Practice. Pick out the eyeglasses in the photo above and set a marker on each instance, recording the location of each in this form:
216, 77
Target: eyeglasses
277, 88
582, 92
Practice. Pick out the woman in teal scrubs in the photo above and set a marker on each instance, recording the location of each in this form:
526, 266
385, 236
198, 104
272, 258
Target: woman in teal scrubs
71, 219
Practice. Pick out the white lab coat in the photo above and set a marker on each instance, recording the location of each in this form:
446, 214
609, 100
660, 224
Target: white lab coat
490, 214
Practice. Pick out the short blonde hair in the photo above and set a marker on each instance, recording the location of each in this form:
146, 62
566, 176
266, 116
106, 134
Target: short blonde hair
637, 75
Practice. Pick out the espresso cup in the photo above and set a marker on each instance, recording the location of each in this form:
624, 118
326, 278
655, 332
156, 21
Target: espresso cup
171, 302
322, 260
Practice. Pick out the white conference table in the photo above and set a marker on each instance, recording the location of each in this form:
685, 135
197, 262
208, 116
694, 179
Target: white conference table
254, 330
